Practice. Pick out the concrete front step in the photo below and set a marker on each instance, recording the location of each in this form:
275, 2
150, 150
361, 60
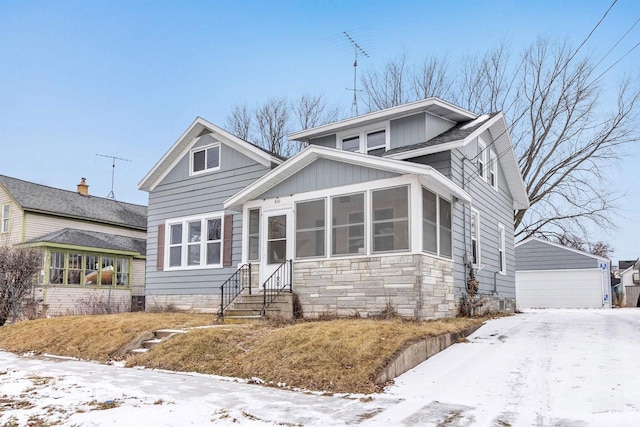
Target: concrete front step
160, 336
234, 320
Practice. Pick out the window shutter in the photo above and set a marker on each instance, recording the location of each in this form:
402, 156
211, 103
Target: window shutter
228, 237
160, 254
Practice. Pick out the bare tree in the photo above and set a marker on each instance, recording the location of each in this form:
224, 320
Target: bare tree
18, 267
432, 78
270, 122
601, 249
564, 135
239, 122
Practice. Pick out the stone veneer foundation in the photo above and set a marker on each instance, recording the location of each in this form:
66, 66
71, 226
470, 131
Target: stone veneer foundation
416, 286
201, 303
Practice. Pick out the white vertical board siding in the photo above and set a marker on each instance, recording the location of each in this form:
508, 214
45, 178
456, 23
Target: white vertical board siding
559, 288
37, 225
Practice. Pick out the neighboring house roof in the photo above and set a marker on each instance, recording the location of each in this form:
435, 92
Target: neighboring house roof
623, 265
44, 199
93, 239
198, 128
558, 245
312, 153
433, 105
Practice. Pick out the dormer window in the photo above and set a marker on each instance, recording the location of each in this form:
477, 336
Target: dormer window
205, 159
372, 139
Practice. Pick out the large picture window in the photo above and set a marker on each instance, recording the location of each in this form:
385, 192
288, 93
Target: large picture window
390, 213
310, 229
79, 268
436, 224
195, 242
347, 224
205, 159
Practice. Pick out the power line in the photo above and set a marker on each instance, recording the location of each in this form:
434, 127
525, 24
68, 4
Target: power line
618, 42
615, 63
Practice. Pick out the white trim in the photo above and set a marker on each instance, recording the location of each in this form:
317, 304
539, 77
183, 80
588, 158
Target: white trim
409, 154
186, 141
560, 246
204, 148
386, 114
184, 221
312, 153
362, 133
560, 269
502, 246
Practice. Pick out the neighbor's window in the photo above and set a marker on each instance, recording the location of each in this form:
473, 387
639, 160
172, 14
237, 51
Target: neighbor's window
493, 169
475, 237
347, 224
482, 158
254, 235
196, 242
4, 215
310, 229
502, 257
76, 268
390, 219
376, 143
351, 144
205, 159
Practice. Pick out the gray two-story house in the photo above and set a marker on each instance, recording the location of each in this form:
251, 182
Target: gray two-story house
391, 209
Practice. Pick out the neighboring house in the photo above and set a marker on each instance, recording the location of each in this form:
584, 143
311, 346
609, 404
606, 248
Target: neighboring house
630, 282
93, 248
550, 275
392, 208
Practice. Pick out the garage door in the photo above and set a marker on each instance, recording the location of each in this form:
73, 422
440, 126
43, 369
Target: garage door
559, 289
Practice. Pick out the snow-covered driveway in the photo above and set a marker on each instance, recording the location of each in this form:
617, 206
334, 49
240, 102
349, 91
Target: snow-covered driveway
541, 368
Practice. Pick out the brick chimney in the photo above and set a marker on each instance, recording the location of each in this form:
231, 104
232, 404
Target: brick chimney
83, 188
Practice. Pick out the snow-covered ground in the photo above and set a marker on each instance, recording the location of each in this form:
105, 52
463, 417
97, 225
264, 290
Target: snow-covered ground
541, 368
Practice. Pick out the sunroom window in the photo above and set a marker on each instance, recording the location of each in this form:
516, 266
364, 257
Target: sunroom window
390, 219
310, 229
254, 235
445, 228
79, 268
436, 224
347, 224
205, 159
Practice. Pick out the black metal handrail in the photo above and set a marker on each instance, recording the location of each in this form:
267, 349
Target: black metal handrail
234, 285
280, 280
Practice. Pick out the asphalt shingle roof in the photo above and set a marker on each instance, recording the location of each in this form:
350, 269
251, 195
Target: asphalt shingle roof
37, 197
456, 133
93, 239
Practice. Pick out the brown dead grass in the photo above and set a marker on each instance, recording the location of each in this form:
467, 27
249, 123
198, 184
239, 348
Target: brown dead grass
98, 337
337, 356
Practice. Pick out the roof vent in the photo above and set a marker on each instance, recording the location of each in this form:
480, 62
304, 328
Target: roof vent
83, 188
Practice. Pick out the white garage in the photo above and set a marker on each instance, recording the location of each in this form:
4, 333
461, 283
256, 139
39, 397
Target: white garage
550, 275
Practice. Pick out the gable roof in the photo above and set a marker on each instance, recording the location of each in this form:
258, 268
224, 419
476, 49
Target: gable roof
560, 246
463, 134
198, 128
93, 239
44, 199
432, 105
313, 152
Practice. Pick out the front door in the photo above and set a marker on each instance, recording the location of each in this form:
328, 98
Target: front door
277, 246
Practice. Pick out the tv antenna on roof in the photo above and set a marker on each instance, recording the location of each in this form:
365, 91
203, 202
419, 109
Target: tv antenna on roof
111, 194
356, 49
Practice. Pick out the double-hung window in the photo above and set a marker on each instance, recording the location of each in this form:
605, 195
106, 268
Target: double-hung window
436, 224
4, 217
310, 229
493, 169
205, 159
195, 242
482, 159
502, 257
475, 237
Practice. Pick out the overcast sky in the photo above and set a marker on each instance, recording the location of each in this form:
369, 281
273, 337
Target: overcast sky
126, 78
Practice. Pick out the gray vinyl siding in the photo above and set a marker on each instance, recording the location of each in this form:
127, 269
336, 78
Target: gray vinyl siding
323, 174
179, 195
417, 128
439, 161
324, 141
537, 255
494, 207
